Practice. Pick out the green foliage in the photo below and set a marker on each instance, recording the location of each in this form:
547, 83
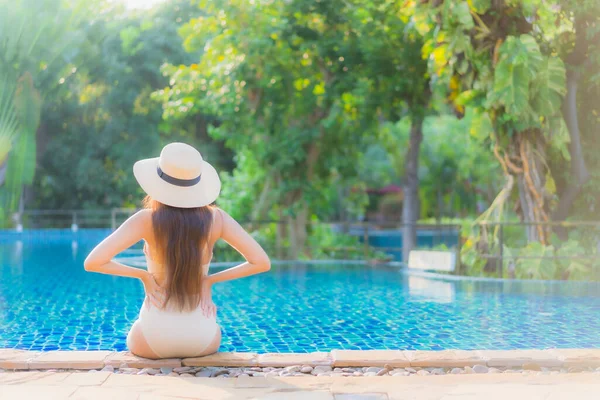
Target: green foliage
28, 54
573, 259
102, 120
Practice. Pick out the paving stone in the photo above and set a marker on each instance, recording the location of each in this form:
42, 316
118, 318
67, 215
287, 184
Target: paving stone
444, 358
516, 358
286, 359
223, 360
133, 361
16, 359
360, 396
578, 357
369, 358
70, 359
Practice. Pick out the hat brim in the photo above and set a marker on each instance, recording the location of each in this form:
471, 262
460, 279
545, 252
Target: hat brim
201, 194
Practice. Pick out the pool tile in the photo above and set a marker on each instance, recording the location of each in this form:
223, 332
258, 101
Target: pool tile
444, 358
223, 360
69, 359
369, 358
284, 359
133, 361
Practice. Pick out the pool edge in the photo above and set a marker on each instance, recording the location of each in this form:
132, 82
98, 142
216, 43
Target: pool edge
14, 359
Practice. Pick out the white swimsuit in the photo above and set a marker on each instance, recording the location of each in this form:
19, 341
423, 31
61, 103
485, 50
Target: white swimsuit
170, 332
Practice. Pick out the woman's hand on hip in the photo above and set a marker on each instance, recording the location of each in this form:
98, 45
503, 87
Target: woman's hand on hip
155, 294
208, 307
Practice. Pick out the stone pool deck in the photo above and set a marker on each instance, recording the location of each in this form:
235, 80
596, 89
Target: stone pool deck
340, 375
105, 385
12, 359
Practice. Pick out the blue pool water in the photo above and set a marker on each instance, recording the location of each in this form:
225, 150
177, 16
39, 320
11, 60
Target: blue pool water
48, 302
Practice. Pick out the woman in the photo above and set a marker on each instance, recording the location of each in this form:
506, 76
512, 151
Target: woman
179, 228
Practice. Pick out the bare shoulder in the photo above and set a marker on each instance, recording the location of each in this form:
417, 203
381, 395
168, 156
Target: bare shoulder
141, 220
221, 219
143, 215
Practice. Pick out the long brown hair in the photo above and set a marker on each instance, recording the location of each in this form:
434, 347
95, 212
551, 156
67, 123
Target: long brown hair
181, 236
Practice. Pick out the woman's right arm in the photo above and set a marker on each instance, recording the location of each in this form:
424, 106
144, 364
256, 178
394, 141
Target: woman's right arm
257, 260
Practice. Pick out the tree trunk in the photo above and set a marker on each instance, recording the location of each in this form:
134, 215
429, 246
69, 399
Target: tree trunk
578, 173
262, 205
300, 223
527, 209
531, 181
281, 236
292, 235
3, 172
410, 207
440, 205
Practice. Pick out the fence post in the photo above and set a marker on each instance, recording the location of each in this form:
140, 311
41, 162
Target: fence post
74, 226
500, 267
458, 251
113, 219
366, 240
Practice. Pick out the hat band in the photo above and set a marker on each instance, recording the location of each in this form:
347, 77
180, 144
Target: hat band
176, 181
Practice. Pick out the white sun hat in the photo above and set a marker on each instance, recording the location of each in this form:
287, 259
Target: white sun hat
179, 177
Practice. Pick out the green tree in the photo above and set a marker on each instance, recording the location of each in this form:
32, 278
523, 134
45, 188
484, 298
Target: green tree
279, 78
397, 84
581, 53
32, 55
498, 62
103, 119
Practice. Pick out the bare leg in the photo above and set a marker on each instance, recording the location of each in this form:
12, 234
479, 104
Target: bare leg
213, 347
138, 345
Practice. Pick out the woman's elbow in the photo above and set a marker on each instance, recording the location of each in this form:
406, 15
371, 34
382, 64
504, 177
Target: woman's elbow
265, 264
90, 265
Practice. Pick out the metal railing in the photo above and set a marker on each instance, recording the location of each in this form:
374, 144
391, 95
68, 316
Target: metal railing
375, 237
381, 237
514, 235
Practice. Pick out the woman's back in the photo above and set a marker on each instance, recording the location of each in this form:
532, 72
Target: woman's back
180, 228
156, 262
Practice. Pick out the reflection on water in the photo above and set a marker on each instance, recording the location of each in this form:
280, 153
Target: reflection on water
423, 289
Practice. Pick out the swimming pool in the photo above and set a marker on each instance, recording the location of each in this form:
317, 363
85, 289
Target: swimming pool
48, 302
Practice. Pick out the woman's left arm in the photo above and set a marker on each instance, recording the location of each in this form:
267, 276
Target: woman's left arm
129, 233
